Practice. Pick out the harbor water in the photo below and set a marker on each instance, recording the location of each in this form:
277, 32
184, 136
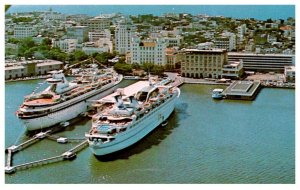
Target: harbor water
205, 141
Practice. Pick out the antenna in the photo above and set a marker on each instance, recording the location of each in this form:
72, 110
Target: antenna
150, 83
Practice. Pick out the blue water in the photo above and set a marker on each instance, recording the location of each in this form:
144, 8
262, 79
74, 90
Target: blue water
261, 12
205, 141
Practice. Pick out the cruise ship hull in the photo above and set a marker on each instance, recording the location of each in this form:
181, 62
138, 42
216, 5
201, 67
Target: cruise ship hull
140, 130
65, 114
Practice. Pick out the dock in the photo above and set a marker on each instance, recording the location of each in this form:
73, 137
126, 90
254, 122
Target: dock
68, 155
242, 90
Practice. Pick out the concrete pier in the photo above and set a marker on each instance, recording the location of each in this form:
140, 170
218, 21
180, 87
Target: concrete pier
242, 90
68, 155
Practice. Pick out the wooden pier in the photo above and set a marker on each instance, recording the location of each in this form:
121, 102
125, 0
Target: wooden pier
68, 155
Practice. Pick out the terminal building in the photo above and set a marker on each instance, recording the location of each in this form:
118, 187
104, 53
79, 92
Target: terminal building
22, 69
203, 63
263, 62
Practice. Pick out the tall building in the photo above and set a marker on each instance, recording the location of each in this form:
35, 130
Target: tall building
24, 31
241, 30
148, 51
97, 23
123, 34
226, 41
203, 63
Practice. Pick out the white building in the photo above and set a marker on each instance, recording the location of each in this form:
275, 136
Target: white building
263, 62
174, 41
49, 15
66, 45
149, 51
205, 45
24, 31
94, 36
226, 41
97, 23
99, 46
91, 47
233, 70
123, 34
241, 30
290, 73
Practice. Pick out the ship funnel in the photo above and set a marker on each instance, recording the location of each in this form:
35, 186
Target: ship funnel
133, 102
119, 101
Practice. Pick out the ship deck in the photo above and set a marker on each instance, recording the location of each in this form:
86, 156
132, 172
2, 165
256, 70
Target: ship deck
128, 91
40, 101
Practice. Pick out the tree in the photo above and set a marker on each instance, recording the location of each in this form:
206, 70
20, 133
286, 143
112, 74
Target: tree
46, 42
153, 69
13, 40
123, 68
79, 55
25, 45
57, 54
22, 19
104, 57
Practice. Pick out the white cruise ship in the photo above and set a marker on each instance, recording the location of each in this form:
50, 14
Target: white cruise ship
135, 112
62, 100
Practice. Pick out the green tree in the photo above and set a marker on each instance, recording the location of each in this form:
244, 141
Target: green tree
104, 57
47, 42
13, 40
80, 55
153, 69
22, 19
123, 68
24, 45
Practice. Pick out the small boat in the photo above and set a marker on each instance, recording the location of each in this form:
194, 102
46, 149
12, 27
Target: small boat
64, 124
62, 140
217, 93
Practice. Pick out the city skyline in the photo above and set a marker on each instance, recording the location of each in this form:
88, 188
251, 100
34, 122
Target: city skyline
262, 12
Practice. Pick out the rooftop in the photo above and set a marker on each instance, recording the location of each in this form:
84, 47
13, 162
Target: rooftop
242, 88
290, 68
16, 65
148, 44
256, 54
205, 51
128, 91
